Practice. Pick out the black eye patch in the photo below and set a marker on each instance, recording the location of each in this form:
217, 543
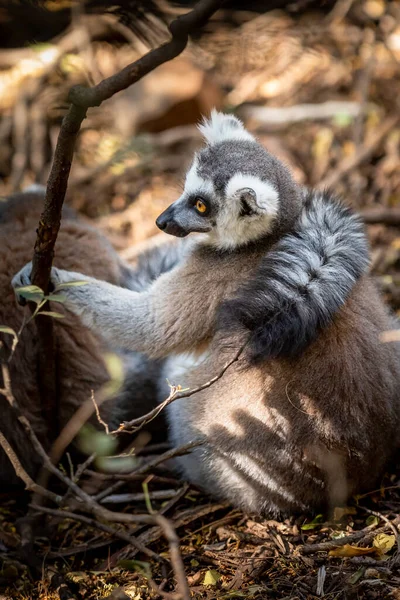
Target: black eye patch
245, 209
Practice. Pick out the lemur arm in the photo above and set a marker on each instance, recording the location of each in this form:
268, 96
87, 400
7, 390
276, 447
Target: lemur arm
169, 316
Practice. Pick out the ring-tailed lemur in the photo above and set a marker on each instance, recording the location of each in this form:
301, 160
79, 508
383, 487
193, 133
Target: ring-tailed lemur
309, 413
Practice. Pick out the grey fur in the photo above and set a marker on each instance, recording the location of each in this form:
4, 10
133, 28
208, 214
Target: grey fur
302, 282
315, 417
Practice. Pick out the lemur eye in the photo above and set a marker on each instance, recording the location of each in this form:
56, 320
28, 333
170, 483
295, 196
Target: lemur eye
201, 206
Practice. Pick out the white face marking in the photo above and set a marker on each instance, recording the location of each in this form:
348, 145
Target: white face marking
220, 128
194, 184
233, 230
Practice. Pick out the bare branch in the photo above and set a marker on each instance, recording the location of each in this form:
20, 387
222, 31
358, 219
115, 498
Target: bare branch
177, 394
90, 505
148, 466
22, 474
81, 99
366, 534
121, 535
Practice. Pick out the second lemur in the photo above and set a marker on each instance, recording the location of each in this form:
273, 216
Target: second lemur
309, 413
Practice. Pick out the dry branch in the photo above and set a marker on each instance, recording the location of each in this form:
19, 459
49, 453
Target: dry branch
89, 504
174, 452
178, 394
81, 99
366, 535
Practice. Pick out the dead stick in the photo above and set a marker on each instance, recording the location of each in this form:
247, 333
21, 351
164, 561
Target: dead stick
365, 535
64, 514
147, 466
178, 394
22, 474
81, 99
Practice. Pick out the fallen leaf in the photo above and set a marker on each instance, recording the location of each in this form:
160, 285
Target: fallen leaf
341, 511
383, 543
355, 578
211, 577
314, 523
348, 551
136, 565
372, 520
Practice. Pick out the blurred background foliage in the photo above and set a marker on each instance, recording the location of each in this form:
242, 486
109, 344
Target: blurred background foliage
315, 81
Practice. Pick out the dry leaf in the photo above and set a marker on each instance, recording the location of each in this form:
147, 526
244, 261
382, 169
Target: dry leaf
211, 577
342, 511
383, 543
348, 551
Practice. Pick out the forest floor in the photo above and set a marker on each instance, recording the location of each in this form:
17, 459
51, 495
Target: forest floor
130, 160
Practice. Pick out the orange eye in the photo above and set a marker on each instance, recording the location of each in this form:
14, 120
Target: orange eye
200, 206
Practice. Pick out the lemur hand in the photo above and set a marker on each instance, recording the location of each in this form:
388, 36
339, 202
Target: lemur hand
57, 276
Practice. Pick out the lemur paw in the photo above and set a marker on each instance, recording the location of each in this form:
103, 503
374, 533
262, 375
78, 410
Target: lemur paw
23, 278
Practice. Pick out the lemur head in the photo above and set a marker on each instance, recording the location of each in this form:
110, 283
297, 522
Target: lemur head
235, 191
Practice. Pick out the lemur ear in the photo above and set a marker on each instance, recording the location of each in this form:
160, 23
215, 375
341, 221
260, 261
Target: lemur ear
221, 128
255, 195
248, 202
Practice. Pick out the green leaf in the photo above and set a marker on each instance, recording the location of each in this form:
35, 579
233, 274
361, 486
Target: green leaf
116, 464
68, 284
372, 520
342, 119
211, 577
91, 441
137, 566
32, 293
147, 498
314, 523
115, 368
51, 313
356, 576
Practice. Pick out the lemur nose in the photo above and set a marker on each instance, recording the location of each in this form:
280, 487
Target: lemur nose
164, 219
161, 222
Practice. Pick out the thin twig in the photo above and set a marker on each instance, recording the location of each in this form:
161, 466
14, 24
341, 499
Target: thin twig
89, 504
6, 391
139, 497
22, 474
81, 99
147, 466
98, 416
389, 523
64, 514
365, 534
177, 394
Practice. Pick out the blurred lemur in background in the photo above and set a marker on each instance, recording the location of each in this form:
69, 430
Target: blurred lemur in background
309, 412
